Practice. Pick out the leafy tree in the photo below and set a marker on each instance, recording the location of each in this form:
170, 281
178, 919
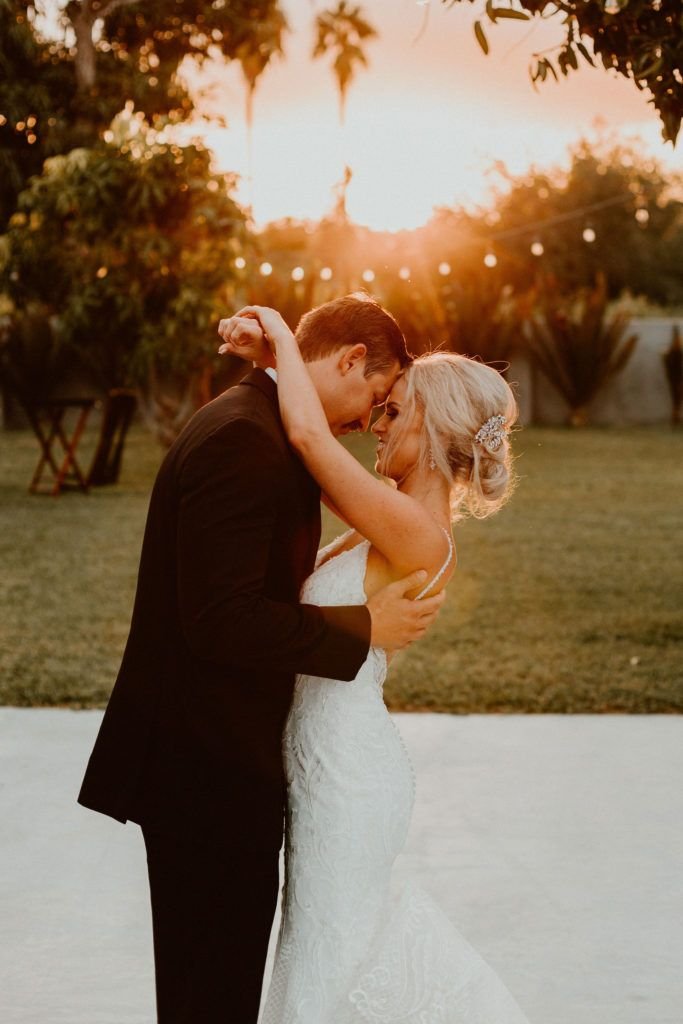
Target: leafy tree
343, 30
632, 229
124, 244
65, 96
140, 47
36, 93
575, 344
127, 251
641, 39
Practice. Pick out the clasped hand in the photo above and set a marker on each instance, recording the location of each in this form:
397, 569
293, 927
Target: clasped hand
253, 334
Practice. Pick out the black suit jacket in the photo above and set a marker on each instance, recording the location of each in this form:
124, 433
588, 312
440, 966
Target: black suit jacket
193, 729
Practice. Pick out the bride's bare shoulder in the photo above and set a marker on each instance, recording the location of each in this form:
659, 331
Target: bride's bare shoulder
381, 572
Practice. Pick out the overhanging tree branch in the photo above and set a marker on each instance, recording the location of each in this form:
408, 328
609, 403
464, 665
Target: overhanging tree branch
642, 41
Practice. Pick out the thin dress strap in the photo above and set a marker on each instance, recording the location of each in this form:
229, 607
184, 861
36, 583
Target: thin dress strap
425, 590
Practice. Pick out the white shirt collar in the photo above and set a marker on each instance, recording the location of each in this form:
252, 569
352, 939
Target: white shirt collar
272, 373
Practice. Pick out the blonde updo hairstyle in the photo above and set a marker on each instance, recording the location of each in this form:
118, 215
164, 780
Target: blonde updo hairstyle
456, 395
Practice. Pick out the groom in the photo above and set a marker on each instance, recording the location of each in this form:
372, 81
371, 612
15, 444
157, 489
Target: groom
190, 743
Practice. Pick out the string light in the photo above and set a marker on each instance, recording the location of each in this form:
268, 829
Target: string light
490, 259
560, 218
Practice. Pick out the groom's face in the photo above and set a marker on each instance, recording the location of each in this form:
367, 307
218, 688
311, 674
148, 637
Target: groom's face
357, 403
348, 396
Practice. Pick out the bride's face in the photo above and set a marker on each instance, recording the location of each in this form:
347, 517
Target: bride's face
403, 429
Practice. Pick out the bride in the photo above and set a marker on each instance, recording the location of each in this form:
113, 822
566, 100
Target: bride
349, 951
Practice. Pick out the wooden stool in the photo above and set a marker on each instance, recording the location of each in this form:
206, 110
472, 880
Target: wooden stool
47, 420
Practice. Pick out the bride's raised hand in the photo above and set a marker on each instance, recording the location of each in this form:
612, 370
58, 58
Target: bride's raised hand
243, 337
273, 325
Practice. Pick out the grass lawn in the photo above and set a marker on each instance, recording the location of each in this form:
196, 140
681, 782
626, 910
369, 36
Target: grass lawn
570, 600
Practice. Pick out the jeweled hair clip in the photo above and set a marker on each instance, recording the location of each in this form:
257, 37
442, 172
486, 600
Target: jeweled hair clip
492, 433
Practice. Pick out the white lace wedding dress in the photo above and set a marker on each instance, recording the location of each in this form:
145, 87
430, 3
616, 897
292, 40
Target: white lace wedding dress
349, 951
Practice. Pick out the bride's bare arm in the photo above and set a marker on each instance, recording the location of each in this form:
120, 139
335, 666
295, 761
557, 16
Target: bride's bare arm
394, 523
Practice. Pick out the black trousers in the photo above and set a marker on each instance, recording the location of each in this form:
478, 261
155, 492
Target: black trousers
212, 909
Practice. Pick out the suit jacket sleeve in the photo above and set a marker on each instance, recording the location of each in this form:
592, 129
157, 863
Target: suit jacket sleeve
230, 487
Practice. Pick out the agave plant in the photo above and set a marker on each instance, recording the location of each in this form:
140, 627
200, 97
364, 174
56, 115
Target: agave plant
483, 317
576, 345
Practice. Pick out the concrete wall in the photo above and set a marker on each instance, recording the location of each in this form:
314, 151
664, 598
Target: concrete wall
640, 394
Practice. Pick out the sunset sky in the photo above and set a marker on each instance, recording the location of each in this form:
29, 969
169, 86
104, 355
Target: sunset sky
425, 122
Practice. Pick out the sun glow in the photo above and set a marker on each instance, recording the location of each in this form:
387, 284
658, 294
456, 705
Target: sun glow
426, 123
406, 160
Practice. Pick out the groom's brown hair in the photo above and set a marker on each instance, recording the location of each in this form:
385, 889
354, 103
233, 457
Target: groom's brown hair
348, 321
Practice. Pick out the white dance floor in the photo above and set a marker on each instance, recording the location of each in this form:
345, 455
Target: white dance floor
555, 843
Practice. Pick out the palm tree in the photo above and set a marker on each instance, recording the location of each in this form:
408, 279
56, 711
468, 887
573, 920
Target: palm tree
254, 55
343, 30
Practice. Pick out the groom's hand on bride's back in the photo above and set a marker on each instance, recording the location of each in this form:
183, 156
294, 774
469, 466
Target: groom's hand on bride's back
397, 620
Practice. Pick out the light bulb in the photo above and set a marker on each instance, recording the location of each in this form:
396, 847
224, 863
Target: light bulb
266, 269
444, 269
326, 274
298, 274
490, 259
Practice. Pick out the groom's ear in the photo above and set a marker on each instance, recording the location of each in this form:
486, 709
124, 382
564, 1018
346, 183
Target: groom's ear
352, 357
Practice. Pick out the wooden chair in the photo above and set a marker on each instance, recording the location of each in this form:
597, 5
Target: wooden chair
48, 421
118, 413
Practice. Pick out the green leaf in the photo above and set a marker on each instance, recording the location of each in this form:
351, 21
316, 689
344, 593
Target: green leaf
582, 50
481, 38
652, 69
507, 12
